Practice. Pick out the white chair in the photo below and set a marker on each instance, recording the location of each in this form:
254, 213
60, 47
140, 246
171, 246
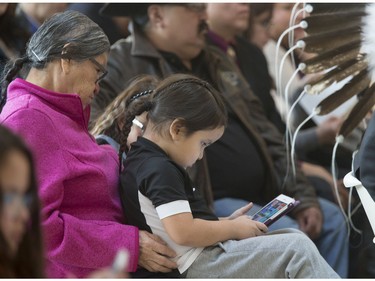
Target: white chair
365, 197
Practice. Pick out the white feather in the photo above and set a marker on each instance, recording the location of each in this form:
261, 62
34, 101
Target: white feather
368, 33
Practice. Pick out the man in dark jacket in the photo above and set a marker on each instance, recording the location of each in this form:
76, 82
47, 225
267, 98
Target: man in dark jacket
227, 21
364, 171
170, 38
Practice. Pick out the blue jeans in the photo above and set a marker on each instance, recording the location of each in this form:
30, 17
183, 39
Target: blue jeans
333, 243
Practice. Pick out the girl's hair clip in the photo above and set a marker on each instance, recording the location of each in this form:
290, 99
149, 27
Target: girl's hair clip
144, 93
138, 123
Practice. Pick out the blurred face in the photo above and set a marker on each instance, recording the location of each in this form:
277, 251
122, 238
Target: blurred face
187, 150
43, 11
3, 8
180, 29
15, 212
46, 10
230, 18
122, 24
280, 21
260, 32
85, 77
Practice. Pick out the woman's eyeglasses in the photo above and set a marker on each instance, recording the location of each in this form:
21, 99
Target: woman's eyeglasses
101, 68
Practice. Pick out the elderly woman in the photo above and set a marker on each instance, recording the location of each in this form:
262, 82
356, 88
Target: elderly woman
78, 180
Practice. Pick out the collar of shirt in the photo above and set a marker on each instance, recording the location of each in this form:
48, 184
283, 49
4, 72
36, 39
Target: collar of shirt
220, 41
175, 62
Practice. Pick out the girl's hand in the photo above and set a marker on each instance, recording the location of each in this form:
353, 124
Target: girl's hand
241, 211
244, 227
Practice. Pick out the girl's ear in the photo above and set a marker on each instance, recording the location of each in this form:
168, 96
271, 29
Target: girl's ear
177, 129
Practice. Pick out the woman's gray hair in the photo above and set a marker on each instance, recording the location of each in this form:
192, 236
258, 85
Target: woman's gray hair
69, 35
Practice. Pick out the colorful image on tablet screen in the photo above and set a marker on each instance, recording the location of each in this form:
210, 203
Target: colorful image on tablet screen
269, 210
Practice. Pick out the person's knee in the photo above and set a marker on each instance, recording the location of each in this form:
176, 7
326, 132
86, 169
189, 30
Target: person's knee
287, 231
332, 213
302, 243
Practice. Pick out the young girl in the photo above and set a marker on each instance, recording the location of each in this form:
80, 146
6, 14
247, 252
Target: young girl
21, 252
184, 116
108, 127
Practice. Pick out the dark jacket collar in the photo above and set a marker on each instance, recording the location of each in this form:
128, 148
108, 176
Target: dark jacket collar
141, 44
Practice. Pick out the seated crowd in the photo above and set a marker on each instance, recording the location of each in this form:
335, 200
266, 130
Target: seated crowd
163, 145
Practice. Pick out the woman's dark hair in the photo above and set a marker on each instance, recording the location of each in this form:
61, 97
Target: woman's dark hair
69, 35
259, 8
111, 121
28, 261
180, 96
14, 36
256, 9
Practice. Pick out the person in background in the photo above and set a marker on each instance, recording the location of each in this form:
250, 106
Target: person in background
317, 148
115, 28
83, 223
225, 32
364, 256
21, 247
264, 28
315, 142
32, 15
21, 250
227, 22
13, 37
226, 27
260, 17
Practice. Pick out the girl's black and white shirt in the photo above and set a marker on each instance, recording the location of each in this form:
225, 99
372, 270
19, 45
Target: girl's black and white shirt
153, 187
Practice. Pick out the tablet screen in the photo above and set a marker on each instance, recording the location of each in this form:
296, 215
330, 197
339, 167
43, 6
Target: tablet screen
270, 210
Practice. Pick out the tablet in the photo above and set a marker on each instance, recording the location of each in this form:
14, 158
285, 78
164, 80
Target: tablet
275, 209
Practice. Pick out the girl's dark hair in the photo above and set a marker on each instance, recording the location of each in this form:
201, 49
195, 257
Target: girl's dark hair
28, 261
69, 35
111, 120
180, 96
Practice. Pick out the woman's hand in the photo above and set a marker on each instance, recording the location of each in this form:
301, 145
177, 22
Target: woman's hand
154, 254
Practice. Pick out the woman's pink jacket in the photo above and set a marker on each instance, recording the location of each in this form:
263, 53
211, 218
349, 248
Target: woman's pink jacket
83, 223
